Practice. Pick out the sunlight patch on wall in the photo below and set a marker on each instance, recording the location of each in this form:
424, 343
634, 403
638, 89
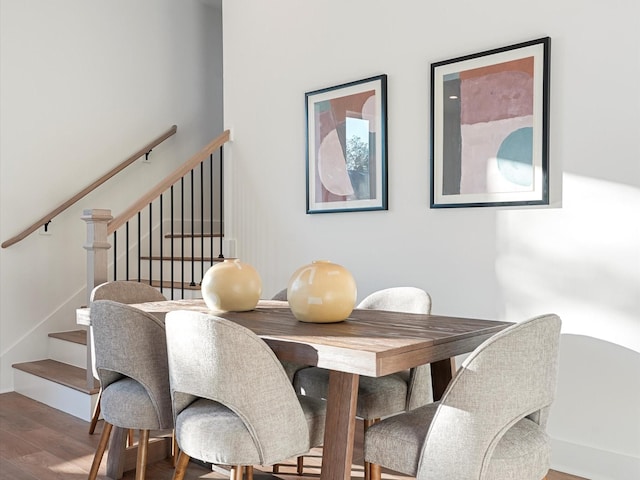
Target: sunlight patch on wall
581, 261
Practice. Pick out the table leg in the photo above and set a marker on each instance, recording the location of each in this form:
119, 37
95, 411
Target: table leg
340, 426
441, 374
121, 458
115, 457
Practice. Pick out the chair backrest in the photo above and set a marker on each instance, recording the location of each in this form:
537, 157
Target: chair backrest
131, 343
409, 300
510, 376
122, 291
126, 292
281, 295
399, 299
213, 358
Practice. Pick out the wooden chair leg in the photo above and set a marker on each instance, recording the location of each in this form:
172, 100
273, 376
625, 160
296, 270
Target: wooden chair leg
130, 439
102, 446
299, 466
367, 465
96, 414
235, 473
249, 470
181, 466
143, 448
175, 450
375, 471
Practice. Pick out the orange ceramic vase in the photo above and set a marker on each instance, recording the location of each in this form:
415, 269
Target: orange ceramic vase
322, 292
231, 286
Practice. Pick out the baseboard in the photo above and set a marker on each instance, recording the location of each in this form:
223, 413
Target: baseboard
592, 463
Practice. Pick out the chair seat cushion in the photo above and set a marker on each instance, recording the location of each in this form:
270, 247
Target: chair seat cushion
211, 432
377, 396
522, 453
396, 442
126, 404
315, 413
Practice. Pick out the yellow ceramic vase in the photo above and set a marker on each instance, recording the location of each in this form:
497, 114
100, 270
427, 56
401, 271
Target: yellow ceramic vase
231, 286
322, 292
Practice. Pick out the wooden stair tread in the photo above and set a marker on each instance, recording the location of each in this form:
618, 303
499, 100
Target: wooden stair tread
73, 336
193, 235
186, 259
174, 285
62, 373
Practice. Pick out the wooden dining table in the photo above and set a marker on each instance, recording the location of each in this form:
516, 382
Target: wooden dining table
370, 342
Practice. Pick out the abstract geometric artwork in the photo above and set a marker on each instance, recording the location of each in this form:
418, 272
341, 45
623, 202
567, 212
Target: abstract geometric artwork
489, 127
346, 147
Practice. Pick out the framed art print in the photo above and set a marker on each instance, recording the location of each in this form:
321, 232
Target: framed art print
347, 147
489, 127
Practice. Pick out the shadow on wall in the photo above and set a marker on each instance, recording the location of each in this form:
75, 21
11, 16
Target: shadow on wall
597, 381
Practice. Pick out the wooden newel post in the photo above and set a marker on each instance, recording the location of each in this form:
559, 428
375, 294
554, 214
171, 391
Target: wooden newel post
96, 247
97, 261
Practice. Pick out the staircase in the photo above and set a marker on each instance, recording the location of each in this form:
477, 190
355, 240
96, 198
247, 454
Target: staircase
60, 381
168, 223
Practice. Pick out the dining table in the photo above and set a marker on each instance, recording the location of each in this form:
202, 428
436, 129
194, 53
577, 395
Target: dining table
369, 342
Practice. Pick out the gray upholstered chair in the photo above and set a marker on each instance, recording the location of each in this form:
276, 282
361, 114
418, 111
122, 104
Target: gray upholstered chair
290, 367
124, 292
490, 422
131, 360
232, 401
382, 396
281, 295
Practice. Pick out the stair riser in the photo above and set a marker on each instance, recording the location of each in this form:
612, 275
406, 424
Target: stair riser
182, 246
57, 396
188, 294
177, 250
198, 270
68, 352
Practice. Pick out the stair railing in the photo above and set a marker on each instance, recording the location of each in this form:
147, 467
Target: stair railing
184, 195
44, 221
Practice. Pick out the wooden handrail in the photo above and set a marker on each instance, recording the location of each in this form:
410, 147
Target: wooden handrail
164, 185
56, 211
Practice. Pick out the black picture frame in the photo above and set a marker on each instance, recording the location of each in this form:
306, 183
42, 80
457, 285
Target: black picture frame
490, 127
346, 160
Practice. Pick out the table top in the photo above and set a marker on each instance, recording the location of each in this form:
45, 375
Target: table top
369, 342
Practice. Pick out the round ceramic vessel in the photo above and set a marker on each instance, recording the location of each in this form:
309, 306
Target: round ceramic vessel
322, 292
231, 286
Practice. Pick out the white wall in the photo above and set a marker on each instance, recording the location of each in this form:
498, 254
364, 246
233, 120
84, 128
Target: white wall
579, 257
84, 84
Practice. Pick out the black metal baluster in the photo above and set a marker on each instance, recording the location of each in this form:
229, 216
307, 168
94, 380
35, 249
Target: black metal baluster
221, 202
161, 248
172, 249
150, 243
126, 248
201, 221
211, 209
193, 272
139, 249
115, 255
182, 236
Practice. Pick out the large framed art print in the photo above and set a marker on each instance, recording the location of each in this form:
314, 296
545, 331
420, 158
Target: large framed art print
347, 147
490, 127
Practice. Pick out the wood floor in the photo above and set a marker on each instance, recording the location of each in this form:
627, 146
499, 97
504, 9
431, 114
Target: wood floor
39, 442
